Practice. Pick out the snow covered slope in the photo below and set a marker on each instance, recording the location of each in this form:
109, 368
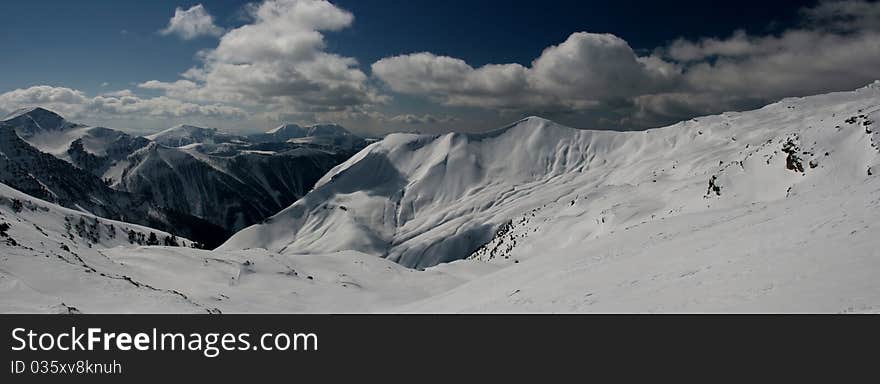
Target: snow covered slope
58, 260
326, 135
52, 257
422, 200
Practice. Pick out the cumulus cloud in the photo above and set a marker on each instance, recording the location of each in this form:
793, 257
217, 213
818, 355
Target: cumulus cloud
278, 61
599, 77
843, 16
581, 72
836, 47
192, 23
76, 104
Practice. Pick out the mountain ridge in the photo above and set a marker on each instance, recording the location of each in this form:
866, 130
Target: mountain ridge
437, 198
769, 210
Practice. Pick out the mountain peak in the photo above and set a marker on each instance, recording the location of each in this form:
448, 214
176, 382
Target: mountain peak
183, 134
31, 111
535, 118
329, 129
34, 120
185, 128
284, 128
288, 131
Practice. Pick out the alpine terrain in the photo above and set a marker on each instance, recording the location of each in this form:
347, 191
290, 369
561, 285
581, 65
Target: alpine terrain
206, 183
774, 209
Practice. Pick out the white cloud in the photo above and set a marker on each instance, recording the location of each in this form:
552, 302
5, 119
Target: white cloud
600, 80
737, 45
837, 47
583, 71
179, 87
192, 23
843, 16
119, 93
278, 61
76, 104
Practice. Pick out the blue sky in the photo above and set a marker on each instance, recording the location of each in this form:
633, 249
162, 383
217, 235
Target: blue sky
362, 72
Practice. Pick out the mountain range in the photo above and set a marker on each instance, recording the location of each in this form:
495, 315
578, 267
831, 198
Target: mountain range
773, 209
216, 182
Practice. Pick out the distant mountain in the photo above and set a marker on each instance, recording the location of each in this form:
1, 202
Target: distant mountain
196, 172
280, 133
183, 135
319, 135
47, 177
33, 121
231, 191
100, 151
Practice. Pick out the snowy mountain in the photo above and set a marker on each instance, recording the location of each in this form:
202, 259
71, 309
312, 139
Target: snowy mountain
232, 191
771, 188
53, 256
280, 133
98, 150
231, 181
182, 135
34, 121
771, 210
321, 135
58, 260
44, 176
200, 172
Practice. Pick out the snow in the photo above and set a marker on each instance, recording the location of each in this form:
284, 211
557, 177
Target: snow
772, 210
287, 129
637, 201
183, 135
38, 274
96, 141
319, 134
52, 257
36, 120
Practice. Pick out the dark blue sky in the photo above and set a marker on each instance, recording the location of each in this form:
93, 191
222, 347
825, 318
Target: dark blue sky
492, 31
81, 44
